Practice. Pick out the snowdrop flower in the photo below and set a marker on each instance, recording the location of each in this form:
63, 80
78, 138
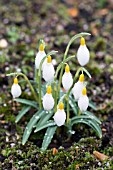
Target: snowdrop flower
83, 101
48, 101
16, 89
77, 89
48, 70
83, 53
40, 55
60, 115
67, 79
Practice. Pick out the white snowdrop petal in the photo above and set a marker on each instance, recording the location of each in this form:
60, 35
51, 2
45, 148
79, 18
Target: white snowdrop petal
77, 89
83, 103
48, 72
48, 102
83, 55
60, 117
40, 55
16, 90
67, 80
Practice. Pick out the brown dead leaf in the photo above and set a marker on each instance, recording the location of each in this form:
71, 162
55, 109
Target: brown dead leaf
55, 151
73, 12
100, 156
103, 12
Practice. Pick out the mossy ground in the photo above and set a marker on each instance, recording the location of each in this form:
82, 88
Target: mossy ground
23, 23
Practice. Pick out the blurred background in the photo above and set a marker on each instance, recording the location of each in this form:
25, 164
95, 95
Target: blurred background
24, 22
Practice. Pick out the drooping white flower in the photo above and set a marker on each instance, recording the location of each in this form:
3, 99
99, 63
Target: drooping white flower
83, 53
16, 89
67, 79
40, 55
83, 101
48, 70
77, 89
48, 101
60, 115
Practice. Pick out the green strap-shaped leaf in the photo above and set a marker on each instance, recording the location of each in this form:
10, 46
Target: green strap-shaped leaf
43, 126
92, 116
81, 117
73, 105
92, 105
24, 110
48, 137
30, 125
27, 102
44, 119
92, 123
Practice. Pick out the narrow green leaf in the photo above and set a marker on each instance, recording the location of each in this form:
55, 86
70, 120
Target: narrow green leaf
92, 105
27, 102
89, 75
92, 116
73, 105
92, 123
48, 137
47, 124
24, 110
44, 119
30, 125
81, 117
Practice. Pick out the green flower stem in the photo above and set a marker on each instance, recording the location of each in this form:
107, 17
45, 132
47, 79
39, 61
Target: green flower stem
68, 115
39, 91
74, 80
55, 96
30, 85
66, 52
67, 95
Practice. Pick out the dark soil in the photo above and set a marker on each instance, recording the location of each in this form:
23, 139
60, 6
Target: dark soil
23, 23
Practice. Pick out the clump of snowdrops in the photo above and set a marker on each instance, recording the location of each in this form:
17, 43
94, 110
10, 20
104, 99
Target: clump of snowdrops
59, 98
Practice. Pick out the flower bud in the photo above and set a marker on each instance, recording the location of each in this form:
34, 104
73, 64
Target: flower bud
77, 89
16, 89
48, 70
67, 79
83, 53
48, 101
60, 115
83, 101
40, 55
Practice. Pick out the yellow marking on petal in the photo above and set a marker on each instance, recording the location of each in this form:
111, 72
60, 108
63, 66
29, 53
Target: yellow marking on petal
67, 69
84, 91
15, 80
61, 106
82, 41
81, 78
49, 59
49, 90
41, 48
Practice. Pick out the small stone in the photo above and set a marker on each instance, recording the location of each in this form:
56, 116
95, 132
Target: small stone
3, 43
